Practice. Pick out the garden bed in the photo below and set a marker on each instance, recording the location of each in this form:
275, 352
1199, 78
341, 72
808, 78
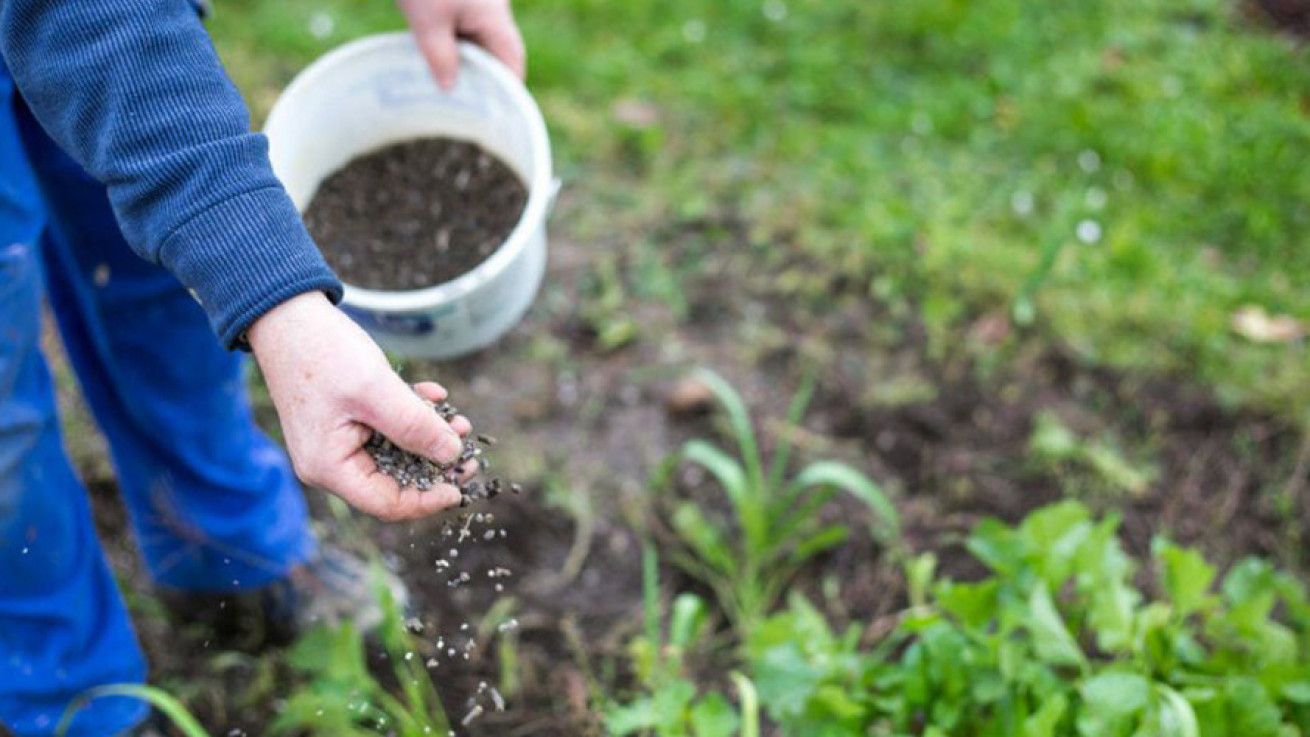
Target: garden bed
952, 436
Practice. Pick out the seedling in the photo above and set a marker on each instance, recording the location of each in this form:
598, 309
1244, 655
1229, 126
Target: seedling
670, 705
341, 696
774, 528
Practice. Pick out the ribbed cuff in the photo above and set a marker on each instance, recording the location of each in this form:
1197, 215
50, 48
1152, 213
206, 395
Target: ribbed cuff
244, 256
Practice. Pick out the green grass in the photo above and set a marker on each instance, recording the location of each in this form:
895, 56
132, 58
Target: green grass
935, 150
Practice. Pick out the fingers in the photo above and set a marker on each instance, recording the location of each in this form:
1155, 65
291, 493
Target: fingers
405, 419
441, 49
496, 32
431, 391
438, 26
434, 392
376, 494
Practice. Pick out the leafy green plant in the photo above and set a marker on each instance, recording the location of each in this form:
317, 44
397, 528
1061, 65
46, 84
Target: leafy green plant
1056, 642
340, 696
773, 528
671, 705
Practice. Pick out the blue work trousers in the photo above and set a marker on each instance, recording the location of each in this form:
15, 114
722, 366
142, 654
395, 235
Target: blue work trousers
212, 501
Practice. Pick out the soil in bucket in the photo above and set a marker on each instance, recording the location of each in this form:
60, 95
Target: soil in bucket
415, 214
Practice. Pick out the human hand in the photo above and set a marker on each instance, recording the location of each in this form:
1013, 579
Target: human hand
332, 387
439, 24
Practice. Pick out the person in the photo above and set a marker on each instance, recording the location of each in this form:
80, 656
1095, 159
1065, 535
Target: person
136, 202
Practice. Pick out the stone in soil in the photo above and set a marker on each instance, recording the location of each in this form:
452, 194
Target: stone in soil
415, 214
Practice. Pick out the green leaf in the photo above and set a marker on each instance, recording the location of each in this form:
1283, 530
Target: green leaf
1177, 718
1297, 692
724, 467
786, 680
819, 541
1052, 641
972, 604
1054, 537
997, 546
794, 413
740, 420
1112, 702
887, 528
750, 704
687, 620
1045, 721
1252, 713
704, 537
1104, 575
1186, 576
919, 572
164, 702
713, 716
634, 717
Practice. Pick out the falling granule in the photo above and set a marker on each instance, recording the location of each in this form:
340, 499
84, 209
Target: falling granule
497, 699
432, 663
508, 625
473, 714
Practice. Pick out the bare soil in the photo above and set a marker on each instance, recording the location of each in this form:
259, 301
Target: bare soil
415, 214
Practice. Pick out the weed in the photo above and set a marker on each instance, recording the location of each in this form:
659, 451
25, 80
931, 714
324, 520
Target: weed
161, 700
1087, 466
341, 696
672, 707
775, 527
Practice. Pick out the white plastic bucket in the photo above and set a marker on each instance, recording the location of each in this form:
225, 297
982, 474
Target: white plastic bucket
377, 91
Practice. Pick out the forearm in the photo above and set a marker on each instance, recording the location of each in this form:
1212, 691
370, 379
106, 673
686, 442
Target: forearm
134, 92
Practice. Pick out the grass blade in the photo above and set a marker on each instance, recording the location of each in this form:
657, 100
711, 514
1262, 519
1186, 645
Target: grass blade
740, 421
842, 476
161, 700
750, 705
795, 411
737, 484
650, 592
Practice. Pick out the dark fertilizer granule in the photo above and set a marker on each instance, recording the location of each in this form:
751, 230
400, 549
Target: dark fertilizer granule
410, 469
415, 214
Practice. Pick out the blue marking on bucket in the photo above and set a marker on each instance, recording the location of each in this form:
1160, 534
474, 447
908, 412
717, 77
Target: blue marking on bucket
410, 324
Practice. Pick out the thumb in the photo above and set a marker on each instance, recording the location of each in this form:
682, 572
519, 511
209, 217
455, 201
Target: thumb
408, 421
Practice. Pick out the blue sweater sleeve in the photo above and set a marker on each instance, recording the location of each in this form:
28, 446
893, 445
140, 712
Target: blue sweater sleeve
134, 91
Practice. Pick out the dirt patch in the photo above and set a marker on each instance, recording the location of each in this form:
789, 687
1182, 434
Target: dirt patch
415, 214
1290, 15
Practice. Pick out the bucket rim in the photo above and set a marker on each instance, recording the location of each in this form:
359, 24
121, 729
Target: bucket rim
541, 188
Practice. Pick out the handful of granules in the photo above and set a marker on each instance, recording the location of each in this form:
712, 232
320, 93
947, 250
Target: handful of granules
411, 469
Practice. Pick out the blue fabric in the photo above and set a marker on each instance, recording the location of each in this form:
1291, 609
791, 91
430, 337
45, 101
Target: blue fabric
212, 501
135, 93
